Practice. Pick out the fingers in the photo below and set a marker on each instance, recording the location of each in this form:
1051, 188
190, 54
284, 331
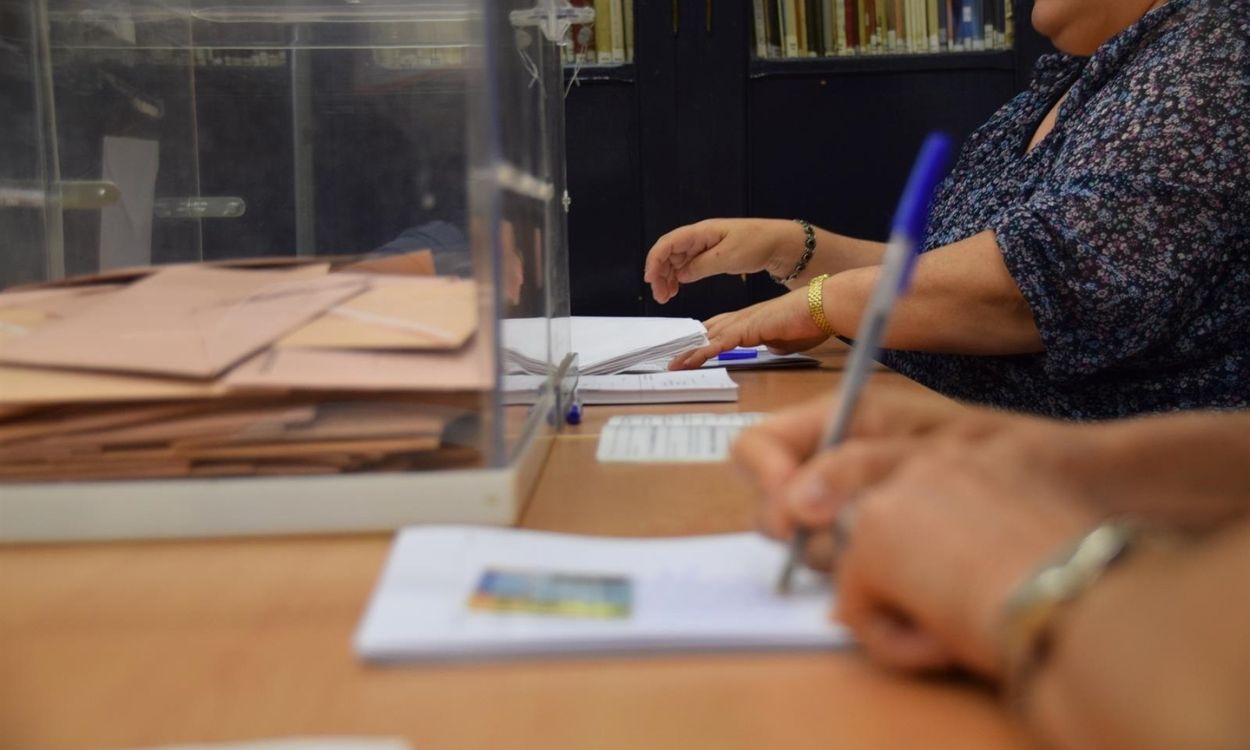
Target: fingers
818, 490
897, 643
770, 452
695, 358
887, 634
672, 252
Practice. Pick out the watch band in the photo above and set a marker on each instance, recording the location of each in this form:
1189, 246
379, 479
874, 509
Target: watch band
1036, 603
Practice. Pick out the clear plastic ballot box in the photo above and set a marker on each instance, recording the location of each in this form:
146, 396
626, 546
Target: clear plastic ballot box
279, 267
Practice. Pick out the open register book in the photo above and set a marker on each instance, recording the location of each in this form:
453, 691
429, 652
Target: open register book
453, 592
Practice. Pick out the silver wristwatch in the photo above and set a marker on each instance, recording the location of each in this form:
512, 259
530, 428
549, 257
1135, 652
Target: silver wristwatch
1034, 605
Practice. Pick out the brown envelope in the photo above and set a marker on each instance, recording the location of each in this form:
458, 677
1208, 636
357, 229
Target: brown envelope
56, 303
417, 313
417, 263
38, 385
466, 369
185, 321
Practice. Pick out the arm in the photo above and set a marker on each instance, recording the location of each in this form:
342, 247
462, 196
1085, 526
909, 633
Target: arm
962, 300
1155, 655
1186, 470
732, 246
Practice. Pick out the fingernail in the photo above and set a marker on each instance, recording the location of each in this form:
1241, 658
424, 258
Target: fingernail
810, 495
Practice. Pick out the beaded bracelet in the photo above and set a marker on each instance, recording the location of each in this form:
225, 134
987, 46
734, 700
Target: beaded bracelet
809, 247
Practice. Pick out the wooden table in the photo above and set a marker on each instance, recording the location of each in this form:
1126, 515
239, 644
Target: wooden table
138, 644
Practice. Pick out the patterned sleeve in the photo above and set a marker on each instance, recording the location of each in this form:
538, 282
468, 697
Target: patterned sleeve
1116, 252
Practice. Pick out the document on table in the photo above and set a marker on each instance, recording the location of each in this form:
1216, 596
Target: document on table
649, 388
452, 592
671, 438
762, 360
603, 345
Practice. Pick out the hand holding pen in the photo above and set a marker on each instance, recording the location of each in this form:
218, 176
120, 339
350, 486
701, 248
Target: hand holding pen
906, 236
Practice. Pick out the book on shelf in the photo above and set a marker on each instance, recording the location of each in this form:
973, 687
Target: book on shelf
773, 29
934, 30
790, 27
603, 32
628, 17
760, 34
618, 31
828, 24
825, 28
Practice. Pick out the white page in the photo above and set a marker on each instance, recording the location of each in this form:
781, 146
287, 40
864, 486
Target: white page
671, 438
657, 388
763, 360
689, 593
604, 345
628, 388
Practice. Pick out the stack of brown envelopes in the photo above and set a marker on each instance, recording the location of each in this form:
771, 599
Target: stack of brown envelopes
201, 370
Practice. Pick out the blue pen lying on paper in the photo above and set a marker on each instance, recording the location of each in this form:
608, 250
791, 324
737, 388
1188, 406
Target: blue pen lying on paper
739, 353
906, 236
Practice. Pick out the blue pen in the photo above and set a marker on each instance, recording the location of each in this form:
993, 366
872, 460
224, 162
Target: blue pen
733, 354
906, 235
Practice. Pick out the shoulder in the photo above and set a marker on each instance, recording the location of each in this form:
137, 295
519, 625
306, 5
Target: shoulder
1199, 38
1176, 96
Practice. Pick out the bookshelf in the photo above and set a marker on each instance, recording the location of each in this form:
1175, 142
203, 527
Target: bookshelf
699, 125
799, 29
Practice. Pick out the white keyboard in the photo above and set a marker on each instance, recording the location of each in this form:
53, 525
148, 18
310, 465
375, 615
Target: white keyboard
671, 438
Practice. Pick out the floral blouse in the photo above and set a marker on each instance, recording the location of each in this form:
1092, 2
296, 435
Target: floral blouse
1127, 229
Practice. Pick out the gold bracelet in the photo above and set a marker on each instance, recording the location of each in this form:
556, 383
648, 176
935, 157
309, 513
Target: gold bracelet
816, 303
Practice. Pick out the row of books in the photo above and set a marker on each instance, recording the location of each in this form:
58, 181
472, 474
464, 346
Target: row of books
607, 41
818, 28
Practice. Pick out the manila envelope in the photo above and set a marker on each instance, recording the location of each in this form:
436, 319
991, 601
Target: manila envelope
466, 369
416, 313
416, 263
184, 321
30, 386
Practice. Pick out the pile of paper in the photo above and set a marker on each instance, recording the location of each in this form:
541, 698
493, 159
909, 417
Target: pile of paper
603, 345
198, 370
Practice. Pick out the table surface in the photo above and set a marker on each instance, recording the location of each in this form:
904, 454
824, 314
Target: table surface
149, 643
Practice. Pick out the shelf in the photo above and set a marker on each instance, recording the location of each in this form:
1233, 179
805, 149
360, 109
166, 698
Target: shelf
616, 73
847, 65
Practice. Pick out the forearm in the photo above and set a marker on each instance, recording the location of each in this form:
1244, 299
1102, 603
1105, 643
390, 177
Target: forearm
962, 301
1189, 470
1155, 655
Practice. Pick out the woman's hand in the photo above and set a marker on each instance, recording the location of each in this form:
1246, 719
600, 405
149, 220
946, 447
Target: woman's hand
717, 246
782, 323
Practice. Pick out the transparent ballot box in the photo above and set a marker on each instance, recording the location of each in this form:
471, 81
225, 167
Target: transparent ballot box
278, 267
